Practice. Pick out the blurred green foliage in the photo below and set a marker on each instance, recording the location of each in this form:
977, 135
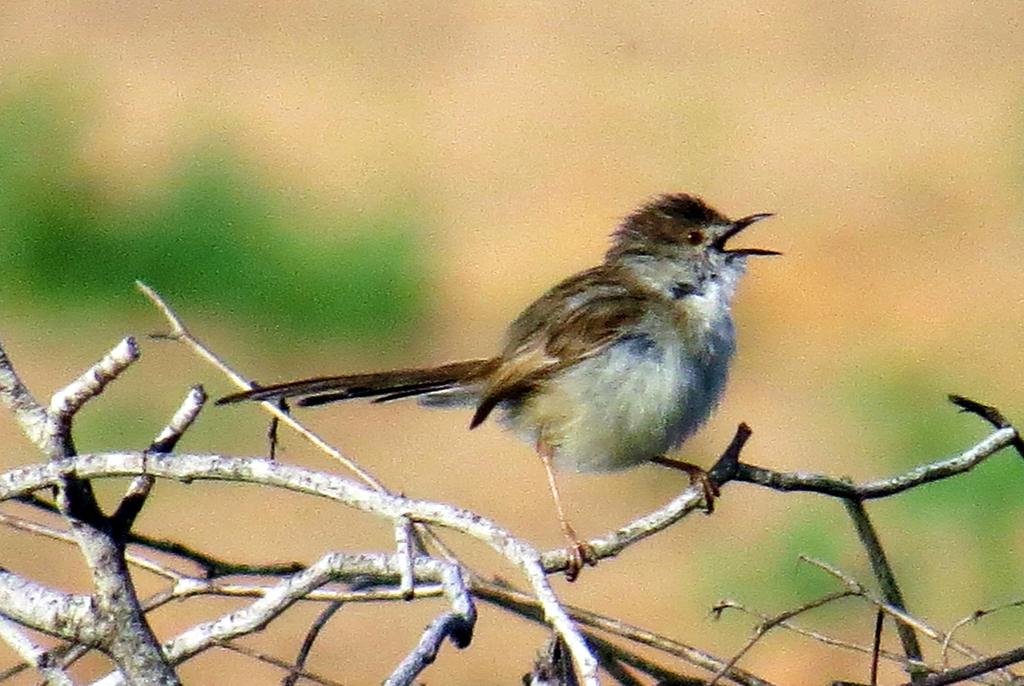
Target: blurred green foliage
778, 578
210, 236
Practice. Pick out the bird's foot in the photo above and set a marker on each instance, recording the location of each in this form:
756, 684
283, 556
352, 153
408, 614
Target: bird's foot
578, 553
697, 475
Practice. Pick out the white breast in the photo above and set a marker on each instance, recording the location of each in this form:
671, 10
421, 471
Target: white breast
640, 398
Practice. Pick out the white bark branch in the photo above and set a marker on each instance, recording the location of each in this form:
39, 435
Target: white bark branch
188, 468
68, 400
12, 634
64, 615
30, 415
126, 636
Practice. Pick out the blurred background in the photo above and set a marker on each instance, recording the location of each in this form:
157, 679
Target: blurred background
330, 187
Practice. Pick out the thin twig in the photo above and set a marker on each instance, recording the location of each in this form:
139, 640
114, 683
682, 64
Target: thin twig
295, 671
882, 488
180, 332
886, 581
236, 647
876, 647
990, 414
814, 635
975, 669
970, 619
768, 624
139, 489
900, 615
12, 634
526, 606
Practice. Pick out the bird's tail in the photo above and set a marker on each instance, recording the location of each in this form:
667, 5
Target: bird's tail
448, 384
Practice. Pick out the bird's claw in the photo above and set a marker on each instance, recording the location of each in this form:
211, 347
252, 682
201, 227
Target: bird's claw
578, 553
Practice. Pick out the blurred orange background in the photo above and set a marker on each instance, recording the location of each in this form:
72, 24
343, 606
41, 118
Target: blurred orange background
888, 138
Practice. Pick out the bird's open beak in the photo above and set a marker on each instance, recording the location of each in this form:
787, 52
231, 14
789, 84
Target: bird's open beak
738, 226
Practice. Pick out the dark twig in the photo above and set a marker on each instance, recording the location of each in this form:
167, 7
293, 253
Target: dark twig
886, 581
975, 669
990, 414
527, 607
237, 647
876, 647
552, 666
211, 565
273, 441
325, 615
614, 666
608, 651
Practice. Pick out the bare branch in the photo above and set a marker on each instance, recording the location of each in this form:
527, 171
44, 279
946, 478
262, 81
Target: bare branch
526, 606
648, 525
127, 636
294, 671
445, 626
67, 401
138, 490
190, 467
896, 613
405, 545
972, 618
768, 624
64, 615
271, 660
826, 485
552, 667
31, 416
975, 669
990, 414
886, 581
179, 332
183, 418
813, 635
33, 654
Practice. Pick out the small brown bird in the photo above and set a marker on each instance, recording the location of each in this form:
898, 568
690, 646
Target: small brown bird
611, 368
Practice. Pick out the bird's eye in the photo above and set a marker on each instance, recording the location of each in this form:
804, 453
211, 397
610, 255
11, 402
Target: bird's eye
695, 237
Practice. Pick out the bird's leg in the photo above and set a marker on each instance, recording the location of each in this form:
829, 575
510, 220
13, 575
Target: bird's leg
579, 552
696, 474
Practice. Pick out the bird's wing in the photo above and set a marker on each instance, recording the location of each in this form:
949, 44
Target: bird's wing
557, 333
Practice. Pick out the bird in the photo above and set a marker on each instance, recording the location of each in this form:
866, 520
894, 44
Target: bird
611, 368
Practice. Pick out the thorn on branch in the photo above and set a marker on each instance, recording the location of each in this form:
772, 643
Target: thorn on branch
728, 465
990, 414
